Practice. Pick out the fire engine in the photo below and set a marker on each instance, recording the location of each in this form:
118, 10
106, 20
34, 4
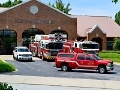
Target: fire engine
81, 47
47, 46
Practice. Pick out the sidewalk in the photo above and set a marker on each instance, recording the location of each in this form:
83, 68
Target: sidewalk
68, 82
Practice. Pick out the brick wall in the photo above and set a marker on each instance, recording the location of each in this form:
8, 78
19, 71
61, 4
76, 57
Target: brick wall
19, 18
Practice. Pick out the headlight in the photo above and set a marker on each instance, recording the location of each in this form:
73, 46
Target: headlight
109, 64
30, 54
48, 53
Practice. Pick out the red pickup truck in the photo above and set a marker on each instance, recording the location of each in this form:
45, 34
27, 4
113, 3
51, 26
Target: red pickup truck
69, 61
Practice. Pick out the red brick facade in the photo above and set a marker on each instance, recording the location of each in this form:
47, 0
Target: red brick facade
47, 19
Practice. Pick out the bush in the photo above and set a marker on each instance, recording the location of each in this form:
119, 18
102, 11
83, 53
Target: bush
5, 86
116, 44
6, 67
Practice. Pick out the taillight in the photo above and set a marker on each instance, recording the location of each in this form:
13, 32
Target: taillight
84, 51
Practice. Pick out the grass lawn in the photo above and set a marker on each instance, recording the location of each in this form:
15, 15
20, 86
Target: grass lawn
112, 55
6, 67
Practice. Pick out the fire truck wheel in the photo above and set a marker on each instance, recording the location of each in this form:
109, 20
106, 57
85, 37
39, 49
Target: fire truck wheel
102, 69
64, 67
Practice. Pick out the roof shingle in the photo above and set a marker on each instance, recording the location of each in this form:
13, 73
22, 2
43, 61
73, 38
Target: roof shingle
107, 24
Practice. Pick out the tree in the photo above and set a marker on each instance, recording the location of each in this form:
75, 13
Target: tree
117, 18
115, 1
60, 6
9, 3
116, 44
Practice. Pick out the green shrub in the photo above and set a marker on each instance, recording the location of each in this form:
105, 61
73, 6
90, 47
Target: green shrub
116, 44
5, 86
6, 67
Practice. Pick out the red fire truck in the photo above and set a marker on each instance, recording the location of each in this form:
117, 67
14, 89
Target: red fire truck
82, 47
47, 46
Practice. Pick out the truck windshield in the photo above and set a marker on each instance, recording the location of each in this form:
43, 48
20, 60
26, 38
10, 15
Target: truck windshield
97, 57
54, 46
23, 50
90, 46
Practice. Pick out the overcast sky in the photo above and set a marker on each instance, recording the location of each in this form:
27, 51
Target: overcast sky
88, 7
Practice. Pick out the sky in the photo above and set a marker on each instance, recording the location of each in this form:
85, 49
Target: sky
87, 7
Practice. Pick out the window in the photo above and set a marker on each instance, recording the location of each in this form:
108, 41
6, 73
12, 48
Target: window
23, 50
88, 57
75, 44
109, 45
80, 57
66, 55
90, 46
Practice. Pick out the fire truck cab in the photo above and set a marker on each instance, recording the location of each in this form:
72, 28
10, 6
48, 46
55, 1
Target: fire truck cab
86, 47
47, 46
82, 47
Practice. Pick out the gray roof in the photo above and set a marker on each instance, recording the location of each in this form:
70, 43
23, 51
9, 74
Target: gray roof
107, 25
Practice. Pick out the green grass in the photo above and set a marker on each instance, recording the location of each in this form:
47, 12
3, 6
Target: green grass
112, 55
6, 67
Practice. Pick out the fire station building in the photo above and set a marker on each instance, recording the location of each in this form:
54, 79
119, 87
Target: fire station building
21, 22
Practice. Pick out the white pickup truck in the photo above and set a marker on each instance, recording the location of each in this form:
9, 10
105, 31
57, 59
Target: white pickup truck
22, 53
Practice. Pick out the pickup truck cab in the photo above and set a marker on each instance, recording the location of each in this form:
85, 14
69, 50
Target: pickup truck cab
68, 61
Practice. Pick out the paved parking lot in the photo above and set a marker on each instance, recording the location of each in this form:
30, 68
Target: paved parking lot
47, 69
10, 57
43, 73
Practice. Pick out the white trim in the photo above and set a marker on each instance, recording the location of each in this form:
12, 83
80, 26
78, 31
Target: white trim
94, 27
90, 49
76, 63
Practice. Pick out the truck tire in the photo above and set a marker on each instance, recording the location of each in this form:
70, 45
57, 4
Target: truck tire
64, 67
102, 69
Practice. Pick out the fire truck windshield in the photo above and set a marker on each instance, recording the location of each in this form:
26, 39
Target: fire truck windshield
90, 46
54, 46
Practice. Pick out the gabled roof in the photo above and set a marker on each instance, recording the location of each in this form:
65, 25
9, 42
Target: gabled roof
39, 2
105, 24
94, 27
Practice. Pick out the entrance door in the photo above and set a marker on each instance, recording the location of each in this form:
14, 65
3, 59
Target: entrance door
29, 35
8, 40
